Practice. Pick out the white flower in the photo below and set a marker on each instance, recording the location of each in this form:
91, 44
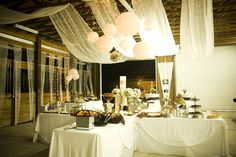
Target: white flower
115, 91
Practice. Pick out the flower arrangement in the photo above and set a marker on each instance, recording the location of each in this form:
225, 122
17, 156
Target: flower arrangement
115, 91
133, 98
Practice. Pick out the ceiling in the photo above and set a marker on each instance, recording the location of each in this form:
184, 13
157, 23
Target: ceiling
224, 17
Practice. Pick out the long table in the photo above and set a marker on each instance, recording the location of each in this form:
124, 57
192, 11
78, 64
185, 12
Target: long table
47, 122
184, 137
113, 140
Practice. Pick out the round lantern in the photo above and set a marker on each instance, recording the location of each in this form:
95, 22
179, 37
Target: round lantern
92, 37
75, 77
73, 73
115, 56
127, 23
125, 44
142, 50
68, 78
149, 25
110, 29
105, 43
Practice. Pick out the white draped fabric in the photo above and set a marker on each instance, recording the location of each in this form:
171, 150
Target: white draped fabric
196, 28
30, 67
160, 38
51, 76
106, 12
66, 69
59, 79
165, 71
73, 31
43, 68
3, 71
17, 82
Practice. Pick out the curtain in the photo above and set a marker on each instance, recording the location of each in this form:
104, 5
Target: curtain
196, 29
17, 82
43, 68
106, 12
3, 71
66, 68
161, 38
51, 76
31, 72
60, 79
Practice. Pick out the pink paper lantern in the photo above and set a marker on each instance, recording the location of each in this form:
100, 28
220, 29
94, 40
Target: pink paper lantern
149, 25
127, 23
142, 50
92, 37
110, 29
105, 43
125, 44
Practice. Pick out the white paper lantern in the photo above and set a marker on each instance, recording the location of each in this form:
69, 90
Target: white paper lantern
149, 25
142, 50
105, 43
92, 37
110, 29
127, 23
73, 73
75, 77
125, 44
68, 78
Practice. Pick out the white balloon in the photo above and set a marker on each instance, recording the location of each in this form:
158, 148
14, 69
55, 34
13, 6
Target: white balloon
149, 25
127, 23
110, 29
142, 50
92, 37
68, 78
125, 44
105, 43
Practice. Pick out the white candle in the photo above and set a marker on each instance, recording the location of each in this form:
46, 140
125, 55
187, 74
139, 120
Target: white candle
122, 83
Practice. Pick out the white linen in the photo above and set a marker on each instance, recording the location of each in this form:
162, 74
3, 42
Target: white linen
196, 28
185, 137
98, 142
46, 122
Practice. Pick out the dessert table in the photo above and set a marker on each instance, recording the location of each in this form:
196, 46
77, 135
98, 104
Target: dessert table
184, 137
113, 140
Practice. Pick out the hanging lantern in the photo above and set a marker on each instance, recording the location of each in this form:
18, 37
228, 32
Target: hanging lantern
110, 29
125, 44
142, 50
127, 23
105, 43
73, 73
115, 56
149, 25
68, 78
92, 37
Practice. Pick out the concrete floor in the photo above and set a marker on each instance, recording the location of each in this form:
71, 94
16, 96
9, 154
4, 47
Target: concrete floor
16, 141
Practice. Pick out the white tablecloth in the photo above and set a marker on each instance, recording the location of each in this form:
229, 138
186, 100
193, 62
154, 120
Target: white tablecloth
113, 140
46, 122
184, 137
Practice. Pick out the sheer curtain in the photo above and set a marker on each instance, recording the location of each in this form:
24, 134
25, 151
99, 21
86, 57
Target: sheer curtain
161, 38
3, 71
196, 29
73, 31
60, 79
51, 75
106, 12
17, 81
43, 68
66, 69
31, 72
